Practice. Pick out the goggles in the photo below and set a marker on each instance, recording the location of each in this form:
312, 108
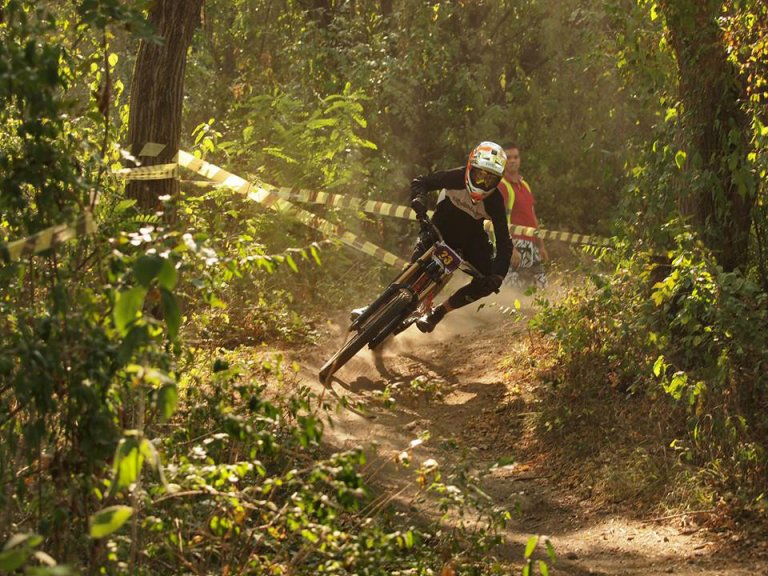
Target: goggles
483, 179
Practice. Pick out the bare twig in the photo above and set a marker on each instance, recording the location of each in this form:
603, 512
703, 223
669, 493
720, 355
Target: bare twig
681, 514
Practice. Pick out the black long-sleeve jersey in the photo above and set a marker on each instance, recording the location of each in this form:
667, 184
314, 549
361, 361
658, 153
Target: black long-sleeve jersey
460, 219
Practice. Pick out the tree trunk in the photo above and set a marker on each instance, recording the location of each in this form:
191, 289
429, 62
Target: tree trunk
711, 90
157, 92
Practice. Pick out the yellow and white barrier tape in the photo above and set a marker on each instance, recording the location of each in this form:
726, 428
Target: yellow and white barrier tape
398, 211
263, 194
47, 238
562, 236
156, 172
334, 200
340, 201
152, 149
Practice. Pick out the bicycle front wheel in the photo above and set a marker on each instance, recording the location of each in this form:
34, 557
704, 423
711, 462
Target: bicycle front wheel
385, 318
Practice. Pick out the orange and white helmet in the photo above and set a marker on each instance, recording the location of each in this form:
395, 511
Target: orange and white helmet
485, 167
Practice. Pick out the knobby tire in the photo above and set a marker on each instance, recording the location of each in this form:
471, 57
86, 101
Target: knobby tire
388, 311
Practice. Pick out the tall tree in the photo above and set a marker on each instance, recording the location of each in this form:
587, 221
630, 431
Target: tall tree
157, 92
723, 193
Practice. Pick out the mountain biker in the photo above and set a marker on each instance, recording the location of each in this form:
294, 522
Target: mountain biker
468, 197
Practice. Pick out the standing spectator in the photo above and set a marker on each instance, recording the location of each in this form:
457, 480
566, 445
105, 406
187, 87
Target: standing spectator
529, 252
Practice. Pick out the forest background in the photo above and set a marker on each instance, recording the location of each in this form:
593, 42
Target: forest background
134, 441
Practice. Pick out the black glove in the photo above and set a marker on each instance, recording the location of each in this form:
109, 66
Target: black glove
492, 282
419, 205
427, 236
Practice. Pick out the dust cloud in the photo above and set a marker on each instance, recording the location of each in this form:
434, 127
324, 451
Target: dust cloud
490, 314
510, 303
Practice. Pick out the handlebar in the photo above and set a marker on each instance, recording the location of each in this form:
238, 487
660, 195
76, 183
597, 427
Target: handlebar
427, 223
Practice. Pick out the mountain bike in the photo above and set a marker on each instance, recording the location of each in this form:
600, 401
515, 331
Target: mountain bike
408, 297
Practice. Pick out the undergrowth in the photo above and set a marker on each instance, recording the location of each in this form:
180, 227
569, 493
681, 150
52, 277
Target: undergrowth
658, 386
250, 489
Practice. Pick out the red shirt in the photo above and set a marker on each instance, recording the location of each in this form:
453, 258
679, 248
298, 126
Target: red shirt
521, 213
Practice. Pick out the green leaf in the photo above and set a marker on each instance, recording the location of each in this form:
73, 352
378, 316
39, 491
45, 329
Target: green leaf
13, 559
247, 133
152, 376
678, 384
128, 307
367, 144
149, 453
200, 130
291, 263
550, 550
123, 205
322, 123
167, 277
658, 366
315, 254
409, 541
108, 520
531, 546
171, 312
543, 568
680, 157
112, 59
29, 539
278, 153
147, 267
167, 399
309, 536
505, 461
127, 464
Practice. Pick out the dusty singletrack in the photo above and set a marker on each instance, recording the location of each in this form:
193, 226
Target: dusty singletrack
450, 394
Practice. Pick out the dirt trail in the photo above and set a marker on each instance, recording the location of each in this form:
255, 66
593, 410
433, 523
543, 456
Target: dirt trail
452, 385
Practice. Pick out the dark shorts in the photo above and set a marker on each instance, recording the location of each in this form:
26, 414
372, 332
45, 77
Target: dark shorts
468, 237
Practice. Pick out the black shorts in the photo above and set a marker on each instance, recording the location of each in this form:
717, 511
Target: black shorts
468, 237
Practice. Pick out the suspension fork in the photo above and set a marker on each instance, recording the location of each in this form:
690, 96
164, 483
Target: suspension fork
402, 281
392, 325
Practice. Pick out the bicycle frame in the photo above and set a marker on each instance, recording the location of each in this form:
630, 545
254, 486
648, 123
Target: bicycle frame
424, 277
399, 305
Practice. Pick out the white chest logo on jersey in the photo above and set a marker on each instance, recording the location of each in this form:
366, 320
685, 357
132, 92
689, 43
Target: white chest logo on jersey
462, 201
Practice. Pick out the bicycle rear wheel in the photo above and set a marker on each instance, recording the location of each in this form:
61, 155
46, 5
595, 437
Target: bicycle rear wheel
384, 318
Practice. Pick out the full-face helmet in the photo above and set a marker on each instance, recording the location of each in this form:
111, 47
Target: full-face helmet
485, 167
